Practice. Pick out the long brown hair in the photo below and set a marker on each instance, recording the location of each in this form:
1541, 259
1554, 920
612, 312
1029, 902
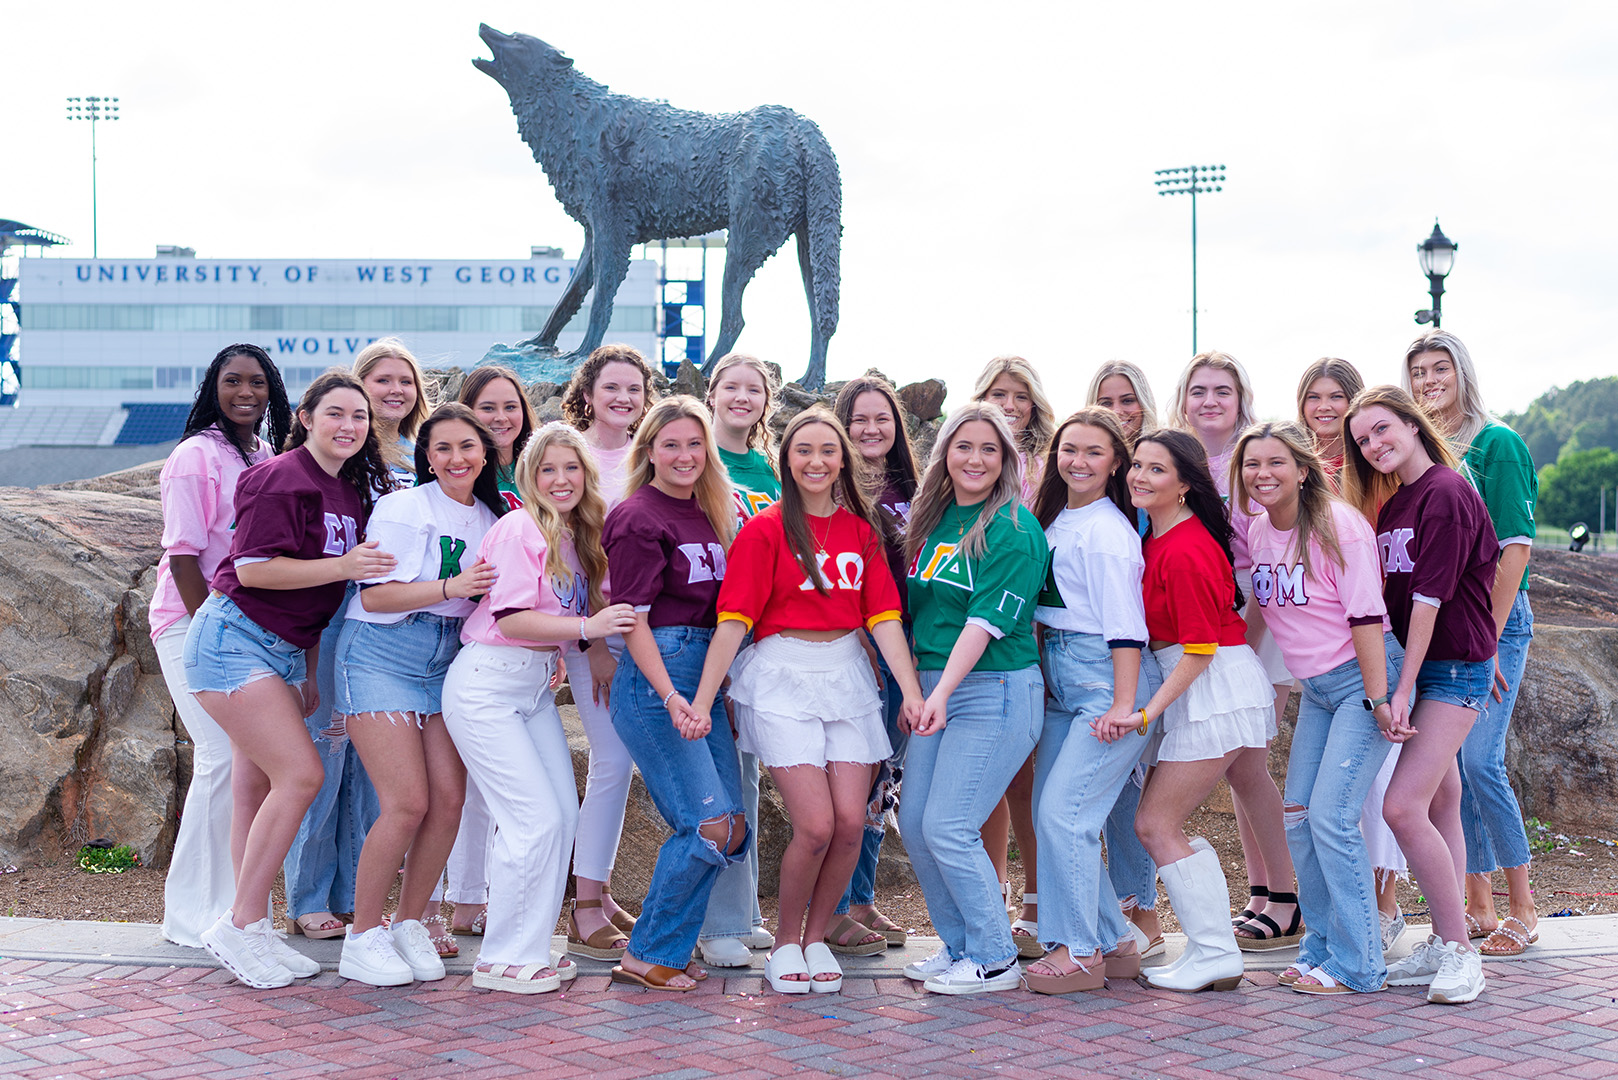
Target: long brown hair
713, 490
1314, 496
1051, 498
1364, 487
1203, 498
480, 377
582, 527
365, 469
846, 492
899, 466
486, 487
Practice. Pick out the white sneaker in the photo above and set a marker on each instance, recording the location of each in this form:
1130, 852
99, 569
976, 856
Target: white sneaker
968, 977
1393, 926
415, 947
725, 952
936, 964
245, 955
1459, 978
294, 961
758, 938
371, 958
1420, 966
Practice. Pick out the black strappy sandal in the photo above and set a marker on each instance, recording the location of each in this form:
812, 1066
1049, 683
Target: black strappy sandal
1248, 914
1267, 933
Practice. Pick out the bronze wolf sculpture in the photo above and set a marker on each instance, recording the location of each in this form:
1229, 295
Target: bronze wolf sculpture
632, 171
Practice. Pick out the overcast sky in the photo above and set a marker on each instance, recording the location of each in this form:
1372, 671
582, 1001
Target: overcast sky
996, 161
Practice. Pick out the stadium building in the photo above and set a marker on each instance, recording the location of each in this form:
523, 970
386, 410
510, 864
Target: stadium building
110, 350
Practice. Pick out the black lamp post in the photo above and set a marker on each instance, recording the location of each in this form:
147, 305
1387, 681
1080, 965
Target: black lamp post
1437, 260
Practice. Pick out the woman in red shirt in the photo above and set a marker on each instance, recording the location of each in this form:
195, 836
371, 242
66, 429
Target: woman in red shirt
805, 575
1215, 702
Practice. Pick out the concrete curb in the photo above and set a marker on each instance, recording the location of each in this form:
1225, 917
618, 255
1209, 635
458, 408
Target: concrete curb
142, 944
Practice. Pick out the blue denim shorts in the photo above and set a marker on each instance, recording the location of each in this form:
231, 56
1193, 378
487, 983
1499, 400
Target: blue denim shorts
225, 650
1459, 682
395, 667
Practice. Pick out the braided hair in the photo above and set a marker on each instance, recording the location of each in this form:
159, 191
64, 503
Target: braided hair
206, 413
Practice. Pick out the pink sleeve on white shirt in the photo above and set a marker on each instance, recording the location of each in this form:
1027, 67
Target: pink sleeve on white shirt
516, 548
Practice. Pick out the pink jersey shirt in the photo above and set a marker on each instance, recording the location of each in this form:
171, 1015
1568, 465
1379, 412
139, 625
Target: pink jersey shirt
198, 487
516, 548
1311, 615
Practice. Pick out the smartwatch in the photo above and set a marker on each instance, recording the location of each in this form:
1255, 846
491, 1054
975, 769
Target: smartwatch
1372, 703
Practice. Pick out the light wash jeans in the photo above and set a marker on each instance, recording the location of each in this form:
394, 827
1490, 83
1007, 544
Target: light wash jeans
953, 780
499, 710
690, 781
1337, 752
201, 882
862, 886
1079, 782
320, 864
1132, 871
1491, 819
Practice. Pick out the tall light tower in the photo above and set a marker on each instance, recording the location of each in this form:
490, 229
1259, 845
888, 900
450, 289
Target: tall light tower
93, 109
1192, 180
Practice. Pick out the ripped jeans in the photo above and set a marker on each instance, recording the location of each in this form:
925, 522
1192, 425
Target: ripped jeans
1336, 753
690, 782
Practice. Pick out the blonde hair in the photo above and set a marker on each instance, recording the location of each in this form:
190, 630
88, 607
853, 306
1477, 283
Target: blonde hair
1220, 361
391, 348
713, 490
583, 525
1363, 487
1314, 496
1041, 417
1137, 383
937, 493
1474, 416
758, 436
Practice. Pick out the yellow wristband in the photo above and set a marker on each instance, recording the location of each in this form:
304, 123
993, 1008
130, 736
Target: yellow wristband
1145, 722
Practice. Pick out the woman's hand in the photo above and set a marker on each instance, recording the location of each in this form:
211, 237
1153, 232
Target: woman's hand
932, 718
559, 676
690, 722
612, 619
311, 696
474, 581
365, 561
1398, 708
1115, 723
602, 668
910, 709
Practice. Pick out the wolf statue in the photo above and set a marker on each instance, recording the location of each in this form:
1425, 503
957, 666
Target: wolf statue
632, 171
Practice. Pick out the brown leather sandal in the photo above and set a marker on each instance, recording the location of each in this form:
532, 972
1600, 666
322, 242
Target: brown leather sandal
622, 919
655, 979
607, 943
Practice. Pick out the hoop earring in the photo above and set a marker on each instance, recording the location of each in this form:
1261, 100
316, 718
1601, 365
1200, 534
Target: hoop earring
1182, 498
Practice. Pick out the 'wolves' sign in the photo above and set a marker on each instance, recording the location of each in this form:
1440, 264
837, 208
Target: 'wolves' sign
632, 171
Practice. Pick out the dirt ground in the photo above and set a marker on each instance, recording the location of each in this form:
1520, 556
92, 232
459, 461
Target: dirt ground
1572, 876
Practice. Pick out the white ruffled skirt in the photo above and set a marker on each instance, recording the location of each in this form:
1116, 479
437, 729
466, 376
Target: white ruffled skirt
808, 702
1229, 706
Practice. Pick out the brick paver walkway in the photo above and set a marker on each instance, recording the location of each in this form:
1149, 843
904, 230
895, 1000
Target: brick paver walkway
1555, 1017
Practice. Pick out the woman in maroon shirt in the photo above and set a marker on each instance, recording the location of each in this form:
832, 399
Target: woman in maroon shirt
254, 645
1439, 556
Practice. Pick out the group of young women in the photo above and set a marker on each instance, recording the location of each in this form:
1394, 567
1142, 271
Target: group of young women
1067, 630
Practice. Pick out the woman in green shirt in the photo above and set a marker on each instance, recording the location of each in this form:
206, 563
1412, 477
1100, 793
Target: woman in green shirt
741, 396
977, 561
1439, 373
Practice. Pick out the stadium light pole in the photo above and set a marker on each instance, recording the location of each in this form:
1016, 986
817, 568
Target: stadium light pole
93, 109
1437, 254
1192, 180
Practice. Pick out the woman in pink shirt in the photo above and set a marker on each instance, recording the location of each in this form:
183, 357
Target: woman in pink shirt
240, 393
1317, 586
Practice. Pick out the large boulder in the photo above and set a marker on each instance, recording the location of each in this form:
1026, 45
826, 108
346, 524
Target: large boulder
87, 740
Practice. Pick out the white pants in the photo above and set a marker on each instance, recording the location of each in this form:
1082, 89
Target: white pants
606, 789
201, 882
499, 709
